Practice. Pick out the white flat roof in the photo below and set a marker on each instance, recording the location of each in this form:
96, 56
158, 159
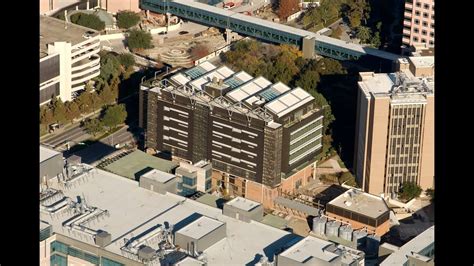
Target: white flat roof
243, 204
159, 176
308, 248
243, 76
200, 227
207, 66
288, 102
376, 83
222, 72
361, 202
134, 210
180, 79
422, 61
46, 153
416, 245
189, 261
248, 89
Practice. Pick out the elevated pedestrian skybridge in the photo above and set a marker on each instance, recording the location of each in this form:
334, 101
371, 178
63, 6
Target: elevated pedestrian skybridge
263, 29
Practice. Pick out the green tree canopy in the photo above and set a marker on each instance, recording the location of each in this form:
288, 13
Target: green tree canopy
127, 19
308, 80
114, 115
126, 60
109, 67
375, 40
93, 126
59, 110
364, 34
139, 39
88, 20
409, 190
46, 115
72, 111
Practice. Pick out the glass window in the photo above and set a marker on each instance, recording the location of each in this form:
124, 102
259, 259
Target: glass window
418, 4
189, 181
417, 13
432, 34
424, 32
59, 247
431, 42
208, 184
58, 260
109, 262
415, 39
423, 40
417, 21
426, 6
416, 30
425, 23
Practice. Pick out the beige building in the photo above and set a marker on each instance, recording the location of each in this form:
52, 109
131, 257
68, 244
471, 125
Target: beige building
395, 127
419, 23
114, 6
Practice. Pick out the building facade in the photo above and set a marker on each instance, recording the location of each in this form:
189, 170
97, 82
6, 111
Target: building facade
250, 129
69, 57
395, 128
114, 6
194, 177
419, 23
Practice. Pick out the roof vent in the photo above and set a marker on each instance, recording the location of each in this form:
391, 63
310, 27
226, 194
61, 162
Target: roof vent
348, 203
103, 238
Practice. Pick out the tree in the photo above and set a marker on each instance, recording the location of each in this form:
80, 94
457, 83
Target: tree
348, 178
139, 39
106, 95
409, 190
287, 8
46, 115
329, 10
93, 126
337, 32
59, 110
430, 193
375, 40
378, 26
363, 33
127, 19
88, 20
109, 67
199, 51
114, 115
308, 80
126, 60
355, 19
72, 111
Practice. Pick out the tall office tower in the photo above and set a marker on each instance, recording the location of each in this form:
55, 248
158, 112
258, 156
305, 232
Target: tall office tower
395, 127
419, 23
251, 129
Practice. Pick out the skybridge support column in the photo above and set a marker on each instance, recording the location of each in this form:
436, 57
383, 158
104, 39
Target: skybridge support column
168, 20
309, 44
228, 36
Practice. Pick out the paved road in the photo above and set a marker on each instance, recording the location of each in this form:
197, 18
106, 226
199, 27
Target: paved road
75, 134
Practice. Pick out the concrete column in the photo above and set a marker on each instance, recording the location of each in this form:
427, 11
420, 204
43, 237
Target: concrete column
168, 18
87, 5
228, 36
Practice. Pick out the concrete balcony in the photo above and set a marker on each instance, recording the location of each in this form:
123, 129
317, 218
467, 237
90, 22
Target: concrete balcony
408, 5
408, 15
85, 72
406, 32
94, 72
406, 40
81, 48
84, 63
407, 23
86, 54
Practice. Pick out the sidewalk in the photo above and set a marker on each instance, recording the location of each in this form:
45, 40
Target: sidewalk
75, 123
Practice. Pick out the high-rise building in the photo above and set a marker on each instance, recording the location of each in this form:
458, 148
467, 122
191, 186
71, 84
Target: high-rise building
69, 57
249, 128
395, 127
419, 23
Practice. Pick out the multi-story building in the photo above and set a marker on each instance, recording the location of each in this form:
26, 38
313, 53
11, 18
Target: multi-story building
418, 251
68, 58
395, 127
250, 129
100, 218
114, 6
194, 177
361, 211
419, 23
